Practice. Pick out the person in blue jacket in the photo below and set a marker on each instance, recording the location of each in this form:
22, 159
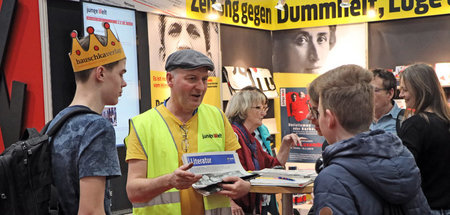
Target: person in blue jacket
365, 172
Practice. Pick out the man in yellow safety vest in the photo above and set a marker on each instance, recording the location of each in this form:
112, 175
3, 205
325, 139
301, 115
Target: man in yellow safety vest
158, 183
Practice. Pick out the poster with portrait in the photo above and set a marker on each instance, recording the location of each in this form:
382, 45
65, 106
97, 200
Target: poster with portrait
300, 55
168, 34
294, 111
319, 49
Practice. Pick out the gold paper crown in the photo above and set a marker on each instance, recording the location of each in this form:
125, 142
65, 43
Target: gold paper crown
97, 54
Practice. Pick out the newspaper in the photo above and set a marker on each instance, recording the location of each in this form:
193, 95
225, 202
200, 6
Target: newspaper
284, 178
214, 166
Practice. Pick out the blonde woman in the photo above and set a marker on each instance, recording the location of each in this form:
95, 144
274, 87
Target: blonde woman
245, 111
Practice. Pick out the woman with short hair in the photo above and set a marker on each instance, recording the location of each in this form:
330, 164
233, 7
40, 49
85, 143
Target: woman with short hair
245, 110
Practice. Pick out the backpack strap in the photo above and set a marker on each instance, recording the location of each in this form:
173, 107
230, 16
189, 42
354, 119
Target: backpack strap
63, 119
54, 204
398, 120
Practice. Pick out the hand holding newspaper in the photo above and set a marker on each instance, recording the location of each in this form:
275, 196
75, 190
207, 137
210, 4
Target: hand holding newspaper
214, 166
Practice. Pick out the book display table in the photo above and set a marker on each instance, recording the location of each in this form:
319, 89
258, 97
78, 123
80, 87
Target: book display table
287, 192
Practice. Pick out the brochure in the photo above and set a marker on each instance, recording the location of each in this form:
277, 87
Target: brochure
214, 166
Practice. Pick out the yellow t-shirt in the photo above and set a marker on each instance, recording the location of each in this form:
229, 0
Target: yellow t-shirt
191, 201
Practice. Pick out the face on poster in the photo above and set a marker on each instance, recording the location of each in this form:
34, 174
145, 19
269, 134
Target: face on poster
294, 110
168, 34
123, 26
319, 49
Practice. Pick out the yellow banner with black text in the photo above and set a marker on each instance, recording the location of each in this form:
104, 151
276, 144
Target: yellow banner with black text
262, 14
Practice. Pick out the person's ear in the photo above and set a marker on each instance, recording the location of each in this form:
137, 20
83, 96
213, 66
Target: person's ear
99, 73
169, 79
391, 93
331, 118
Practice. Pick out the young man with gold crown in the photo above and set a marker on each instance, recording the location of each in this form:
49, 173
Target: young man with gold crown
84, 154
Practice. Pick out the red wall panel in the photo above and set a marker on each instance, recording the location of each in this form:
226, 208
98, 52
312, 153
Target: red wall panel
23, 61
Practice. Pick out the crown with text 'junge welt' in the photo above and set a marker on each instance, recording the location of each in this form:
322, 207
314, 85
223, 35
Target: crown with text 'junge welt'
97, 54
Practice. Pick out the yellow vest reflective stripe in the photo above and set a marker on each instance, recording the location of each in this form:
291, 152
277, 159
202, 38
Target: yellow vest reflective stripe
218, 211
158, 143
164, 198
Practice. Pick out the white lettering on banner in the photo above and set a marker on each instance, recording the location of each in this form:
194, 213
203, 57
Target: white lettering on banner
197, 161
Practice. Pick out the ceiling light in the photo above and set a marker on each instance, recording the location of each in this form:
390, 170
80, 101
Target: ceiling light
218, 5
372, 13
345, 3
280, 5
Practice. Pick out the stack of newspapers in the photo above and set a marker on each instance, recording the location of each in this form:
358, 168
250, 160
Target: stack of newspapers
284, 178
214, 166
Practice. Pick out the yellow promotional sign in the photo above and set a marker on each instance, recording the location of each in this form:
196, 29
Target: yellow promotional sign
310, 13
160, 91
212, 95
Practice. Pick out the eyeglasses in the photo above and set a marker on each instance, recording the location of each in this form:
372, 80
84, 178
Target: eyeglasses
376, 89
261, 108
314, 111
185, 141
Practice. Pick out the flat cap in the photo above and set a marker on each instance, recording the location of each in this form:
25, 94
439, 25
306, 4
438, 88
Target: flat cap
188, 59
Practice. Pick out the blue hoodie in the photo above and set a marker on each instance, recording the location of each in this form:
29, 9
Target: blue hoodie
362, 171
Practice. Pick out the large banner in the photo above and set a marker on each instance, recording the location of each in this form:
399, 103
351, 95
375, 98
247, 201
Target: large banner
296, 14
169, 34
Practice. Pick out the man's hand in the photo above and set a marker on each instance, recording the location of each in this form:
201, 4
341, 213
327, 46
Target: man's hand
236, 209
182, 179
235, 187
143, 189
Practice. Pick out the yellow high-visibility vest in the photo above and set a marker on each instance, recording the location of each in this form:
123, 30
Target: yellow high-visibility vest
162, 157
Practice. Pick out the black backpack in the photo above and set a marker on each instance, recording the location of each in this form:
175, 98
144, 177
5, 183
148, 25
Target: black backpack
26, 172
